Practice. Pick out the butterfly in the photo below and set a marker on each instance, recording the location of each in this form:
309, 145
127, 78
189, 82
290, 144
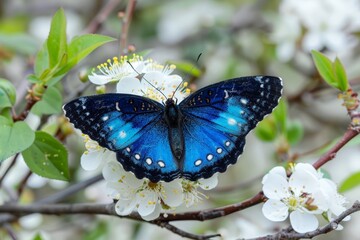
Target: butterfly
200, 136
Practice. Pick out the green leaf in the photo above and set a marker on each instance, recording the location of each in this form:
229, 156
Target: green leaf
325, 67
5, 121
19, 42
294, 132
32, 78
56, 42
266, 130
280, 115
47, 157
187, 67
38, 237
80, 47
340, 75
7, 94
54, 80
351, 182
15, 138
50, 103
41, 61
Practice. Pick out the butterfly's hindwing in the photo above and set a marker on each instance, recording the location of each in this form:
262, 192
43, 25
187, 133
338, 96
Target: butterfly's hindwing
218, 117
130, 125
150, 156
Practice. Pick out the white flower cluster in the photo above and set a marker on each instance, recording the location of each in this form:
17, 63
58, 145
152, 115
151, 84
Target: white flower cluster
303, 195
156, 79
329, 24
147, 198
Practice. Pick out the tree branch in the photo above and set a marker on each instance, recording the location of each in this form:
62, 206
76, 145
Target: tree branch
101, 16
286, 234
348, 135
182, 233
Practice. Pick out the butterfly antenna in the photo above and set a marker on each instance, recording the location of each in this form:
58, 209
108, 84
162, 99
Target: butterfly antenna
142, 76
177, 88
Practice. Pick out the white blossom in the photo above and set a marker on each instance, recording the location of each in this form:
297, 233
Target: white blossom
302, 196
146, 197
316, 24
95, 155
141, 77
192, 196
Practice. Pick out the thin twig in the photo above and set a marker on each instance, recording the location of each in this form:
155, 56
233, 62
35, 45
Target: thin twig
348, 135
286, 234
58, 196
214, 213
22, 184
101, 16
126, 20
10, 231
12, 164
182, 233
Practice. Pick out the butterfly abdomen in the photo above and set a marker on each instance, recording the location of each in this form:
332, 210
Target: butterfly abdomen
174, 119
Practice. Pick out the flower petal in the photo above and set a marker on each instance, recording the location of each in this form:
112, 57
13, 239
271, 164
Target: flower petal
125, 207
173, 194
275, 210
155, 214
112, 171
303, 222
130, 85
147, 202
91, 160
276, 170
209, 183
275, 187
302, 181
99, 79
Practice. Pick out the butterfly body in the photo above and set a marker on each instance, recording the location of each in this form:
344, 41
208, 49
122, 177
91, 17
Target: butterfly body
202, 135
174, 120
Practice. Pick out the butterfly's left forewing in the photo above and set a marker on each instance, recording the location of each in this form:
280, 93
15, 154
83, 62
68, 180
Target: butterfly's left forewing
218, 117
131, 126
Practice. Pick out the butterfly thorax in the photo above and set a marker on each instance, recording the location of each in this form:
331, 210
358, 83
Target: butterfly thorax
174, 119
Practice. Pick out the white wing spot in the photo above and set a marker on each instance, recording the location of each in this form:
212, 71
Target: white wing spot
128, 149
122, 134
242, 112
117, 106
209, 157
227, 143
226, 94
137, 156
148, 161
83, 107
262, 85
106, 117
161, 164
198, 162
231, 121
87, 113
244, 101
219, 150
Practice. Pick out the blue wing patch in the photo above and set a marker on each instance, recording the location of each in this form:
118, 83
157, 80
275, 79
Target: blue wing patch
218, 117
132, 127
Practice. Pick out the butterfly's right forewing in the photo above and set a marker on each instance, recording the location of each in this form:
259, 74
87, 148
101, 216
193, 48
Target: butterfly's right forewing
131, 126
